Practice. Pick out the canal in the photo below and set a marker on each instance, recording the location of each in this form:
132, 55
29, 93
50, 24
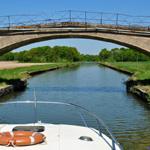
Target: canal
102, 91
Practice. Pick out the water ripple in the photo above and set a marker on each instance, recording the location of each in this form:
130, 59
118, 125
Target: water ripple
111, 89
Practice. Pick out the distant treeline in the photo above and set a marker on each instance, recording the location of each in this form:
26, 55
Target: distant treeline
71, 54
49, 54
45, 54
122, 54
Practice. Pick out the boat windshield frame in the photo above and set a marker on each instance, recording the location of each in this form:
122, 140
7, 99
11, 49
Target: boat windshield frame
99, 121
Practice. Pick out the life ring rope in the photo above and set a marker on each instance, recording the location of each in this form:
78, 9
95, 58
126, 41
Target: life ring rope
21, 138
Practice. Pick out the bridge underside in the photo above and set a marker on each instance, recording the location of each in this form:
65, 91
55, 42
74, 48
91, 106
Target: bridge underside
13, 40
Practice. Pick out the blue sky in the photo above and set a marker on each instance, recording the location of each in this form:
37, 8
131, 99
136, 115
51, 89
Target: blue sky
83, 45
137, 7
134, 7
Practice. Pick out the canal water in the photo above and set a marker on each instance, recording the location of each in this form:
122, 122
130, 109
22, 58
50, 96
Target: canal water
99, 89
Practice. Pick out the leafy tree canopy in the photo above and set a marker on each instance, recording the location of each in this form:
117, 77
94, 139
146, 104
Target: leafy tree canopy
71, 54
122, 54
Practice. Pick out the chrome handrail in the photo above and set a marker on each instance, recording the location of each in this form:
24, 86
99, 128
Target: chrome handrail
99, 121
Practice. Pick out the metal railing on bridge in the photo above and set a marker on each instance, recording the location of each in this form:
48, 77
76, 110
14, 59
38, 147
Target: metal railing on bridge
72, 18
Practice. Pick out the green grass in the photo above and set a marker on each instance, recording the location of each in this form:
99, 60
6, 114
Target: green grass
3, 84
23, 72
140, 70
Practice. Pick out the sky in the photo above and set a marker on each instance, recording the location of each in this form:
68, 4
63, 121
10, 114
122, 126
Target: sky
84, 46
133, 7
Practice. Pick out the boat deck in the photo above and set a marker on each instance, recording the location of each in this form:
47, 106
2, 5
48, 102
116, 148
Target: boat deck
63, 137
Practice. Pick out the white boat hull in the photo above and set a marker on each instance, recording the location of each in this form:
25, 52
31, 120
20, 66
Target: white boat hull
64, 137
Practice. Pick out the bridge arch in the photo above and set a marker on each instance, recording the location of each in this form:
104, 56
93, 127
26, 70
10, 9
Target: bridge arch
11, 42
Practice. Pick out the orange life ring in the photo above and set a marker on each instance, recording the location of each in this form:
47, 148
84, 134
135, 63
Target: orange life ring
21, 138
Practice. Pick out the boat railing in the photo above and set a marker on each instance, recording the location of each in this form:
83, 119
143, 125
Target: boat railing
80, 111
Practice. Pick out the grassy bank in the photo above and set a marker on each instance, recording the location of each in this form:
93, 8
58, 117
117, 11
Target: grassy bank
140, 79
7, 75
140, 70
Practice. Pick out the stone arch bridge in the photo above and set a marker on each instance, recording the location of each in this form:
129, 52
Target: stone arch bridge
15, 39
119, 30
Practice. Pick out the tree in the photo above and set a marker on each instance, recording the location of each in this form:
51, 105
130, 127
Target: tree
122, 54
45, 54
104, 54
